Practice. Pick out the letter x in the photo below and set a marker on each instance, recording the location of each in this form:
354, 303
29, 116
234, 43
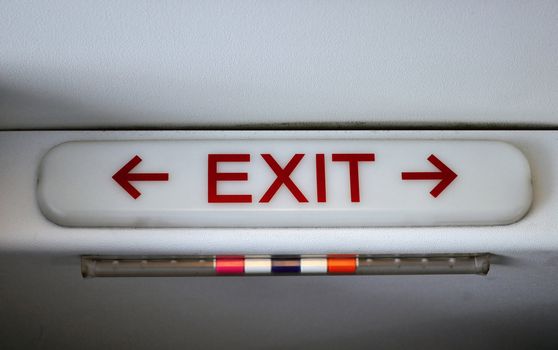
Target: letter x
283, 178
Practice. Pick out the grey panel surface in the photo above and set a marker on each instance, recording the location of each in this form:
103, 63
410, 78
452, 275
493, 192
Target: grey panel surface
46, 305
44, 302
175, 64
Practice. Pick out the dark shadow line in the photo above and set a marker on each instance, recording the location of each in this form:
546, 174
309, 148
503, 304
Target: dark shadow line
316, 126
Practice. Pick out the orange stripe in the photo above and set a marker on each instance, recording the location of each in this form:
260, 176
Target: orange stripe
341, 264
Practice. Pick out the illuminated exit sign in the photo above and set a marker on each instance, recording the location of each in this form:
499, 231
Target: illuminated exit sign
284, 183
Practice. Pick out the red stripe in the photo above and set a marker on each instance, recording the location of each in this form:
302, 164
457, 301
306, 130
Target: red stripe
341, 264
229, 265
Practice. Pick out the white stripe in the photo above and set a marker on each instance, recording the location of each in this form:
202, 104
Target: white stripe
313, 265
257, 265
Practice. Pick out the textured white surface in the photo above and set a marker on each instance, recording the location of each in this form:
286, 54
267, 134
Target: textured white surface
492, 184
68, 64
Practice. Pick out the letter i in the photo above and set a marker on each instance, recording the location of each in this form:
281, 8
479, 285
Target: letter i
320, 178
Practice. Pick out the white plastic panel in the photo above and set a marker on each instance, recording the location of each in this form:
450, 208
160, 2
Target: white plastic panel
26, 228
289, 182
176, 64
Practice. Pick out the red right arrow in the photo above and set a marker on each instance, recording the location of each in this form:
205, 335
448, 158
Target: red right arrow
445, 175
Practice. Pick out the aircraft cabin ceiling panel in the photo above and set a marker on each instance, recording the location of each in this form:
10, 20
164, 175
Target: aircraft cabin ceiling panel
245, 64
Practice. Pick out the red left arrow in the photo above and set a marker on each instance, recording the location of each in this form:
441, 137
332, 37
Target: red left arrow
123, 177
445, 175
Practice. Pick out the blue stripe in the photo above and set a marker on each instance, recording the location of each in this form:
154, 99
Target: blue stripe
285, 265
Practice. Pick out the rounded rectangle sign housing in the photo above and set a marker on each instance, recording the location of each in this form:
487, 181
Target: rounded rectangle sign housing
284, 183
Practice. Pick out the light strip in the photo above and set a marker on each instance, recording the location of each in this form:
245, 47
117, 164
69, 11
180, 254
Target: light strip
277, 265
